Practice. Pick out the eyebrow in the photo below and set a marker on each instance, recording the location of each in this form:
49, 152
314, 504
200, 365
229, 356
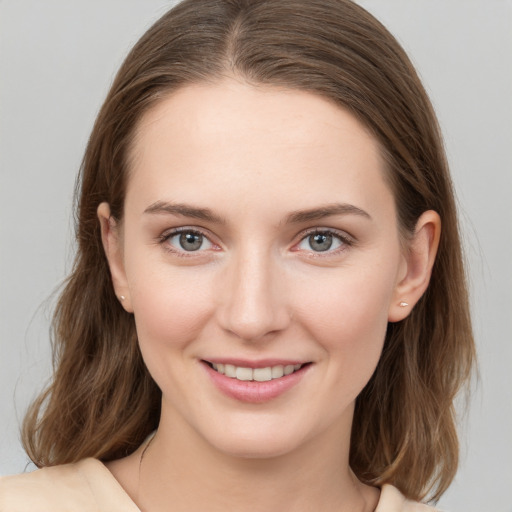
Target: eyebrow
185, 210
296, 217
326, 211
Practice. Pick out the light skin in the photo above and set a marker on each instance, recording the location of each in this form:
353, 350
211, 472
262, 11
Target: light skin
297, 256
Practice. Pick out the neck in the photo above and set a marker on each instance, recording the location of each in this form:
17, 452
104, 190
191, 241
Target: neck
181, 468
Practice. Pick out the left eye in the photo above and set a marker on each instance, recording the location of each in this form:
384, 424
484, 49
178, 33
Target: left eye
189, 241
321, 242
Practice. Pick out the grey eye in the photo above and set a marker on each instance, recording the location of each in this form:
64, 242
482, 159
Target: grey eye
189, 241
320, 242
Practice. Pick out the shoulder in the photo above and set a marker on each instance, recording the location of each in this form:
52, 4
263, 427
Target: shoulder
82, 487
392, 500
51, 488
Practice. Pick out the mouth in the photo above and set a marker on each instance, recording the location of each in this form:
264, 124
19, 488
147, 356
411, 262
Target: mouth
255, 382
247, 374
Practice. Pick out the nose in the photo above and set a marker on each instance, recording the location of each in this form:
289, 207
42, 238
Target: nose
253, 297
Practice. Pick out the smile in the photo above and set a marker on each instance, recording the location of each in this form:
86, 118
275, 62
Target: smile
255, 374
240, 380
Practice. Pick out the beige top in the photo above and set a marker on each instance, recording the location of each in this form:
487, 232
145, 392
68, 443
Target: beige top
88, 486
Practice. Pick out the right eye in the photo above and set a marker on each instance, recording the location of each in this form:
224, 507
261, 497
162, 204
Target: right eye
187, 241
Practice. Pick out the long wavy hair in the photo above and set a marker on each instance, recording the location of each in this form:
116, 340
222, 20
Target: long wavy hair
102, 402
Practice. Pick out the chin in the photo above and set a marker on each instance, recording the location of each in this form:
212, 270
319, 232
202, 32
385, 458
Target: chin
261, 447
258, 440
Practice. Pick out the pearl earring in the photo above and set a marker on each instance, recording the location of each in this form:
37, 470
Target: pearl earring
403, 304
122, 297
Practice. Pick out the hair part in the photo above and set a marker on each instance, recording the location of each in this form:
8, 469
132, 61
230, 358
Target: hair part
102, 401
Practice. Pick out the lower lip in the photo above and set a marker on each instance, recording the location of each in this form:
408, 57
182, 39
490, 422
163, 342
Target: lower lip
253, 391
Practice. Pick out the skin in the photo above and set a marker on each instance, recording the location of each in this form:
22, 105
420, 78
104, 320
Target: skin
257, 289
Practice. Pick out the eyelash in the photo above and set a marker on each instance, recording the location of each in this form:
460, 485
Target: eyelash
167, 236
343, 238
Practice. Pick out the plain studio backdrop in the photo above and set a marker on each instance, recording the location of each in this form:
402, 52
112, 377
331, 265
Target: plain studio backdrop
57, 59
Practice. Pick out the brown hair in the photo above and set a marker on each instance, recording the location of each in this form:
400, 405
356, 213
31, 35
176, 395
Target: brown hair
102, 401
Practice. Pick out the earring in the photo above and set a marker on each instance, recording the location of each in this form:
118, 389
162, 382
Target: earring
403, 304
122, 297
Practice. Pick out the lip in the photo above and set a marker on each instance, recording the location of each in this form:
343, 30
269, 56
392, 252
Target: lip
252, 391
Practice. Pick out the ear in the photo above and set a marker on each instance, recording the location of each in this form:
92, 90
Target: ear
419, 259
112, 244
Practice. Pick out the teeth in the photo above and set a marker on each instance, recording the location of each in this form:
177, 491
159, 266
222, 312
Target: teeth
243, 373
256, 374
262, 374
277, 371
230, 371
289, 368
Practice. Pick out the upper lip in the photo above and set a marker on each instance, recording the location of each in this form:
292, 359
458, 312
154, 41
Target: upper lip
260, 363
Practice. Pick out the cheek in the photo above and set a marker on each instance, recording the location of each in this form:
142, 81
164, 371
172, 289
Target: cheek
170, 310
347, 315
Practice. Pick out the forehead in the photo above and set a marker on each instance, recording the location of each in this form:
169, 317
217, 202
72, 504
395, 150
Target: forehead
231, 136
209, 111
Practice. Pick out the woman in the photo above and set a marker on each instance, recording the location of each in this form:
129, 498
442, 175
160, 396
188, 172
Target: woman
268, 282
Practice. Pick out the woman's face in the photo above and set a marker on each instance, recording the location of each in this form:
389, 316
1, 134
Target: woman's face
259, 234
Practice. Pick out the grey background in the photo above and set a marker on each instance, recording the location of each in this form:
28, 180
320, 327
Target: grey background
57, 59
